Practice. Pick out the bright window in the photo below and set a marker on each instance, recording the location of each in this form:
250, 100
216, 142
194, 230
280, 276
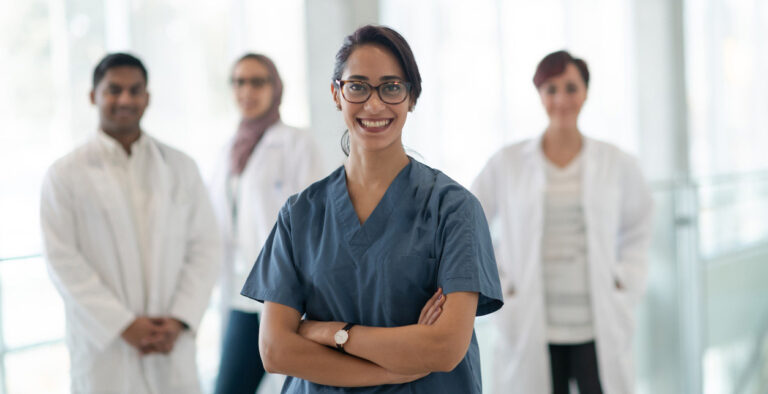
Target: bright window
45, 72
477, 60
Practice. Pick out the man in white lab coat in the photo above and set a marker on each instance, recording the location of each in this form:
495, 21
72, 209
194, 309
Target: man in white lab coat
131, 245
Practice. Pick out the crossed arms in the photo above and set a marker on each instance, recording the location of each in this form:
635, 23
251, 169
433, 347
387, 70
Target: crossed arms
375, 355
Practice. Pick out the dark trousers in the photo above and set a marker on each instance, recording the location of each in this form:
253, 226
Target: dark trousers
241, 369
577, 362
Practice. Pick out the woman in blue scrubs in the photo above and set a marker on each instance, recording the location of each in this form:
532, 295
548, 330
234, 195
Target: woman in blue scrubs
372, 277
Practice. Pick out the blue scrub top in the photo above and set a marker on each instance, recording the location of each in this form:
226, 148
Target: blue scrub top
426, 232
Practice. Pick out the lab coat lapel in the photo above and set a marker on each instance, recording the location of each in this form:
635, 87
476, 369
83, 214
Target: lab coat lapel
113, 203
535, 181
160, 181
599, 271
588, 180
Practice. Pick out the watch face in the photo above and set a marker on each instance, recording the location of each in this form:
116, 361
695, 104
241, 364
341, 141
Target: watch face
341, 337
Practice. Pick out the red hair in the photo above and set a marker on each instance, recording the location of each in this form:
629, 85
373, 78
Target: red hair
554, 64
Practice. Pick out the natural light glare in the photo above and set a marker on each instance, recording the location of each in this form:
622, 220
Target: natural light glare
477, 61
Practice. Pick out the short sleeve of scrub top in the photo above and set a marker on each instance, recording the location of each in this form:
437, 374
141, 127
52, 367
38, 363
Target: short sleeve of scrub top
277, 267
467, 262
426, 232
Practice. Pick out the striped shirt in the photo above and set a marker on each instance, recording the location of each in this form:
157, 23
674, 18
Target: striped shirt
564, 257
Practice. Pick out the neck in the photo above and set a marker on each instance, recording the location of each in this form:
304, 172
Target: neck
125, 138
375, 169
568, 136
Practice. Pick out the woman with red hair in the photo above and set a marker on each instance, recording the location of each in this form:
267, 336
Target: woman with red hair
574, 220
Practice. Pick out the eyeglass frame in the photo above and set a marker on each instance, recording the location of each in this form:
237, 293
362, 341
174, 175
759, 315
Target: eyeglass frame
340, 83
263, 82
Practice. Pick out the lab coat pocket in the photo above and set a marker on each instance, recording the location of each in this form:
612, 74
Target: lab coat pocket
623, 311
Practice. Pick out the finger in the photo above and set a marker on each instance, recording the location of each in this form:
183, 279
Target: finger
436, 304
150, 338
436, 311
144, 350
432, 318
428, 305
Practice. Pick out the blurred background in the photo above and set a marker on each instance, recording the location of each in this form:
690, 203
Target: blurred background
682, 84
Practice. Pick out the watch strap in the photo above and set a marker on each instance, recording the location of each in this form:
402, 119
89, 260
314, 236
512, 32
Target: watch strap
346, 328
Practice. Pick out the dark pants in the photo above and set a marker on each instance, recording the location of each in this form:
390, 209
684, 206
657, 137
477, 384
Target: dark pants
577, 362
241, 369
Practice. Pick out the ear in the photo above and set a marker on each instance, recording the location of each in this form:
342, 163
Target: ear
92, 95
335, 94
411, 105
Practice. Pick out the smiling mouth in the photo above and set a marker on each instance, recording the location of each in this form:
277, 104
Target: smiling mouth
125, 112
374, 125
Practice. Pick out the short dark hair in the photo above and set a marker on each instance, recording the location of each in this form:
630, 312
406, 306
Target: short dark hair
113, 60
388, 38
555, 63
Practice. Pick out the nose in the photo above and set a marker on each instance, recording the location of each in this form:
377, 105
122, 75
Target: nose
374, 103
125, 98
559, 99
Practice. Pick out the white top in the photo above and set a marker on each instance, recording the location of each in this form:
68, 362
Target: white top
564, 256
618, 212
132, 175
284, 162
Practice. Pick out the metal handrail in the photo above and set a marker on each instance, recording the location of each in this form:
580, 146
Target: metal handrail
756, 360
23, 257
711, 180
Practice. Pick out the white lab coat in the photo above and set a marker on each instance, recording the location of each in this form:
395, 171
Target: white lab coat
90, 247
283, 163
617, 209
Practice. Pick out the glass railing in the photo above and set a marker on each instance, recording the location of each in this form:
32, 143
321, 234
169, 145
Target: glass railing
701, 326
33, 355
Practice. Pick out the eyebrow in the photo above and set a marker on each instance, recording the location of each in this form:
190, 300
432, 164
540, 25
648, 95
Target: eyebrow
117, 85
384, 78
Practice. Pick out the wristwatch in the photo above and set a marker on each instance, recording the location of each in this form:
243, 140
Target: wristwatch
342, 336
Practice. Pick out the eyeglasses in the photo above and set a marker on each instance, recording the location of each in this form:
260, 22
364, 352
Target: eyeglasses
256, 82
358, 92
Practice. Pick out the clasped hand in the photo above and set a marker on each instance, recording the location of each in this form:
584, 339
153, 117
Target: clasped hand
153, 335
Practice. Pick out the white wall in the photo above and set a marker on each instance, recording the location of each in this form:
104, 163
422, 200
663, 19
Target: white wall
328, 22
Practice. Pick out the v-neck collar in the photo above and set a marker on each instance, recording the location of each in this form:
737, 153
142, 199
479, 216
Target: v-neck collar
360, 237
572, 166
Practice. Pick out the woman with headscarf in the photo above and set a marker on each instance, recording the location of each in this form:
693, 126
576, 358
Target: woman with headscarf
266, 162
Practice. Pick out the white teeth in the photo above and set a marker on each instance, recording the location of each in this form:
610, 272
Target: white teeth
374, 123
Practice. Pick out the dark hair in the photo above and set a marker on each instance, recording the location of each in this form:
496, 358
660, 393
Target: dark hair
113, 60
389, 39
555, 63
